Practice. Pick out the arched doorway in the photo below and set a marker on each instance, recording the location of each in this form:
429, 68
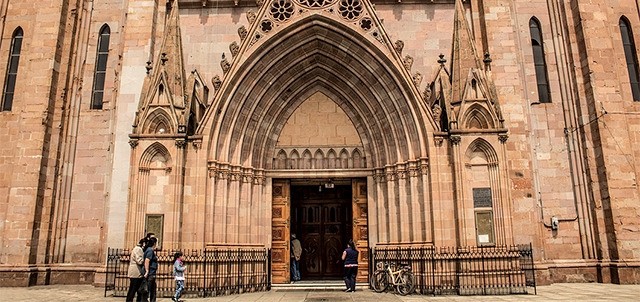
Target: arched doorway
251, 169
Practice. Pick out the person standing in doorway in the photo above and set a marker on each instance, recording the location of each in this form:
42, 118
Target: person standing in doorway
296, 253
350, 258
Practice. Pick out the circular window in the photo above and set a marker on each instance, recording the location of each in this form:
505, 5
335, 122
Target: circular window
350, 9
281, 10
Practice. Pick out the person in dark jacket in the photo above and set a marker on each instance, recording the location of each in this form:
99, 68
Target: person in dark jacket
350, 258
151, 268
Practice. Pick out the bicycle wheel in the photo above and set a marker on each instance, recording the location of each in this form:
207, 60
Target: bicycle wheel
407, 284
380, 281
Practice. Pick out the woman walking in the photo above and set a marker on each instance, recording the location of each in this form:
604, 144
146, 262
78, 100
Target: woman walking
136, 270
350, 258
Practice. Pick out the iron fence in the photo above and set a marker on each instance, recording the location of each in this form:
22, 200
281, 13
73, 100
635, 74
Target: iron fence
494, 270
210, 272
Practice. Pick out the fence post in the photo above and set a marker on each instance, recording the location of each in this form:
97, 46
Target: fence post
269, 269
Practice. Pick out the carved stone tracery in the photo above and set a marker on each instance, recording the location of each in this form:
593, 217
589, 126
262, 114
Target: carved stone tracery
281, 10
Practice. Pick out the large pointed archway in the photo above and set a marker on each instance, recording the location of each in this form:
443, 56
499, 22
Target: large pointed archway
318, 54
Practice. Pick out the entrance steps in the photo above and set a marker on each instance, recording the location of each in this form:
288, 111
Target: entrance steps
314, 285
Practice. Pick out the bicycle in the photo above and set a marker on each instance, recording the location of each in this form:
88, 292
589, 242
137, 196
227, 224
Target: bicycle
401, 279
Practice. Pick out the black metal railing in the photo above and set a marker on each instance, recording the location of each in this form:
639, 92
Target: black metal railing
494, 270
210, 272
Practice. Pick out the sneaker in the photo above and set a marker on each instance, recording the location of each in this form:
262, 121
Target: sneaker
174, 299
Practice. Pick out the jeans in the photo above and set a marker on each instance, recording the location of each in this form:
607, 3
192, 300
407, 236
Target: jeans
179, 289
295, 270
151, 284
350, 277
134, 286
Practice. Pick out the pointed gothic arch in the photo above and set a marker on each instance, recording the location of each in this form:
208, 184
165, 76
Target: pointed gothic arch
312, 56
156, 121
481, 145
478, 117
152, 152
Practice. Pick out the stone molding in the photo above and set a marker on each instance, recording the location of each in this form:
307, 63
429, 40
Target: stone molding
222, 171
404, 170
319, 157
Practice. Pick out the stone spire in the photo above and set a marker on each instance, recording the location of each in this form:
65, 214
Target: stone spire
163, 94
170, 61
464, 56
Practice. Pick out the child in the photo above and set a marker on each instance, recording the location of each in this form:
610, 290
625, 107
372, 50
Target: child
178, 272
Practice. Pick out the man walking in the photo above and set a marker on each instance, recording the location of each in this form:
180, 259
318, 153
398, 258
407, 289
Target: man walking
296, 252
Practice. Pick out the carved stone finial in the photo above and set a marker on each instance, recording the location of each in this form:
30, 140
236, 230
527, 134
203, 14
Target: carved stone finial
399, 45
407, 62
417, 78
234, 48
225, 64
442, 60
217, 83
242, 32
148, 67
487, 61
426, 94
437, 113
251, 16
164, 58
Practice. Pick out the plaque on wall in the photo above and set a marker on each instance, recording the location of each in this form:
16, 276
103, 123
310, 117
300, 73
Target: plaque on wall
481, 197
155, 224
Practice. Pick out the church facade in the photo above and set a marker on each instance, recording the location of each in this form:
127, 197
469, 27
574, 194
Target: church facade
443, 123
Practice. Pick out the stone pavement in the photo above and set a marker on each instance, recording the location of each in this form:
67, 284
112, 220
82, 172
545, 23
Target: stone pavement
556, 292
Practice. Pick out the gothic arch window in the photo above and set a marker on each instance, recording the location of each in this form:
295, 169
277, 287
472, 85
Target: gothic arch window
12, 69
306, 159
100, 72
542, 79
294, 160
631, 57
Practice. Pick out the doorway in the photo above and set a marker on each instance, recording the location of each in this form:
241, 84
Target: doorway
321, 217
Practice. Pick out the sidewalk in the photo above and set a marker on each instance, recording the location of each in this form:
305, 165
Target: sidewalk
556, 292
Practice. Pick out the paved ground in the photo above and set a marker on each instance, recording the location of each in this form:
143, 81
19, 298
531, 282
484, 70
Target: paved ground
556, 292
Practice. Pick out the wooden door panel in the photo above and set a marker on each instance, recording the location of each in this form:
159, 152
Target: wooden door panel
360, 229
280, 231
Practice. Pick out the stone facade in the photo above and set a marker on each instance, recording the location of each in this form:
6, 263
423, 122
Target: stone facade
211, 108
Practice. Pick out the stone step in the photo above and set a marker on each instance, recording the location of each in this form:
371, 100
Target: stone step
315, 285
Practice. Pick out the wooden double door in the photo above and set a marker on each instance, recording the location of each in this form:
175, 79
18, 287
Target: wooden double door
322, 219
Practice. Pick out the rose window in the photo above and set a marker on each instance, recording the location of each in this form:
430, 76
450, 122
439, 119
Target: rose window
281, 10
350, 9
